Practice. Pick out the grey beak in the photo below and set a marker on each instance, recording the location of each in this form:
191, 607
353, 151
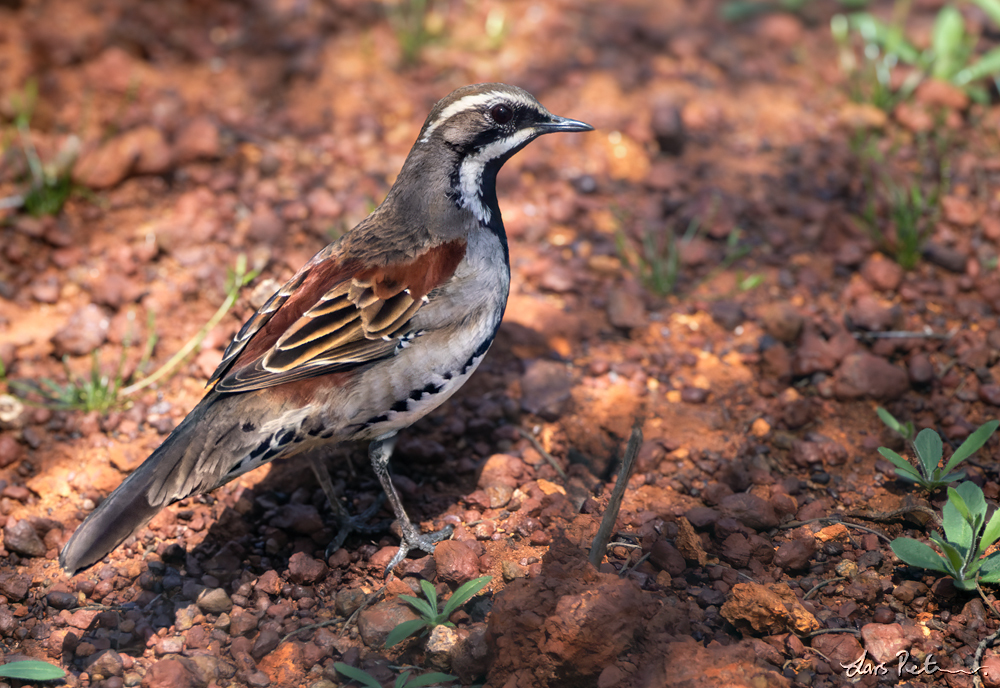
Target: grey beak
564, 124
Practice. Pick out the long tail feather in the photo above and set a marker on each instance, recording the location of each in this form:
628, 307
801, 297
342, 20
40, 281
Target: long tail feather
197, 457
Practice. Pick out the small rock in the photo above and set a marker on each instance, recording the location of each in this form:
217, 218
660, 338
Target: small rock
728, 314
883, 641
869, 314
545, 388
795, 555
693, 395
11, 450
750, 510
866, 375
921, 370
511, 570
171, 673
304, 569
85, 330
375, 622
908, 590
882, 273
782, 321
214, 601
440, 644
349, 600
940, 93
107, 663
767, 609
21, 537
265, 643
667, 557
842, 648
945, 257
456, 562
265, 226
61, 599
297, 518
625, 310
199, 139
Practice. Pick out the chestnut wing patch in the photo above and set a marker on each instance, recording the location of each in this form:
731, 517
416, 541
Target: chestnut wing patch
327, 320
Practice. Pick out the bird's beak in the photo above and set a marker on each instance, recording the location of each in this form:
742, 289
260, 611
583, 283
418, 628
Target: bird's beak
563, 124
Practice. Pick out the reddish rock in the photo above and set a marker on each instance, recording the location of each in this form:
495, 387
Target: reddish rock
960, 211
545, 388
456, 562
882, 273
750, 510
782, 321
11, 450
883, 641
375, 622
21, 537
667, 557
85, 330
304, 569
842, 648
865, 375
795, 555
197, 140
171, 673
871, 314
625, 310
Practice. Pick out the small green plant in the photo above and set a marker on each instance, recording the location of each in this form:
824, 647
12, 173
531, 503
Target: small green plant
402, 681
967, 536
409, 19
658, 267
101, 392
31, 670
929, 450
905, 430
742, 10
94, 392
428, 608
50, 185
909, 212
949, 57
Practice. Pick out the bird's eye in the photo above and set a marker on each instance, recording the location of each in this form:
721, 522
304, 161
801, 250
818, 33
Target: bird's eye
501, 113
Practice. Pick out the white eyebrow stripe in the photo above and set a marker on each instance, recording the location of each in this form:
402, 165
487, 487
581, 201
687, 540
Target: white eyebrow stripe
474, 101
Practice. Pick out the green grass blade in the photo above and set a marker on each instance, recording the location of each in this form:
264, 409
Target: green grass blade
946, 42
991, 8
431, 594
464, 593
971, 444
420, 605
355, 674
31, 670
429, 679
404, 631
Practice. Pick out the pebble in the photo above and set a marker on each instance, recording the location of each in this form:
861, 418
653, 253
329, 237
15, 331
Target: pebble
945, 257
667, 557
85, 330
214, 601
171, 673
795, 555
456, 562
198, 139
545, 388
750, 510
782, 321
866, 375
625, 310
305, 569
882, 273
883, 641
375, 622
21, 537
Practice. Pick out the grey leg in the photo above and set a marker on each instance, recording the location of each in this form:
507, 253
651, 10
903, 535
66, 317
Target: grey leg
379, 452
348, 524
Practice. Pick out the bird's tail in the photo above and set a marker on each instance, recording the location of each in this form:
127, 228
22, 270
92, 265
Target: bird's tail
193, 459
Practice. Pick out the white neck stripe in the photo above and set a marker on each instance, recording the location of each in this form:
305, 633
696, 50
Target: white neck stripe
470, 174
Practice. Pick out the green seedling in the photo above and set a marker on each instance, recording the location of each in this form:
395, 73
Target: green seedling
657, 267
967, 536
31, 670
742, 10
905, 430
402, 681
94, 392
950, 56
428, 608
927, 445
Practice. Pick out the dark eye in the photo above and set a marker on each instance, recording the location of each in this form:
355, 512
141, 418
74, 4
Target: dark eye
501, 114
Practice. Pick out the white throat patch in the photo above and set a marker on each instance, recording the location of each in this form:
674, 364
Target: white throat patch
470, 174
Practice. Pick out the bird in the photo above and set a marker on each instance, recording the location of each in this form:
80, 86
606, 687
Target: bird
374, 332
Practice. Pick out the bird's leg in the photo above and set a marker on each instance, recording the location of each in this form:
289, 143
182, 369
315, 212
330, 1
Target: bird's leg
379, 452
348, 524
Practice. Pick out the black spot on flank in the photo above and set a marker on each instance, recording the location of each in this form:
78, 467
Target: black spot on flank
258, 452
327, 435
377, 419
286, 437
400, 406
248, 427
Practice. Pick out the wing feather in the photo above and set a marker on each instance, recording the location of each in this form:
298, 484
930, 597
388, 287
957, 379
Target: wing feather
332, 316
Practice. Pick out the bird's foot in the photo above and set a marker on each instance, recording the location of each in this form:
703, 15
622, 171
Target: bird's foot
357, 524
414, 539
